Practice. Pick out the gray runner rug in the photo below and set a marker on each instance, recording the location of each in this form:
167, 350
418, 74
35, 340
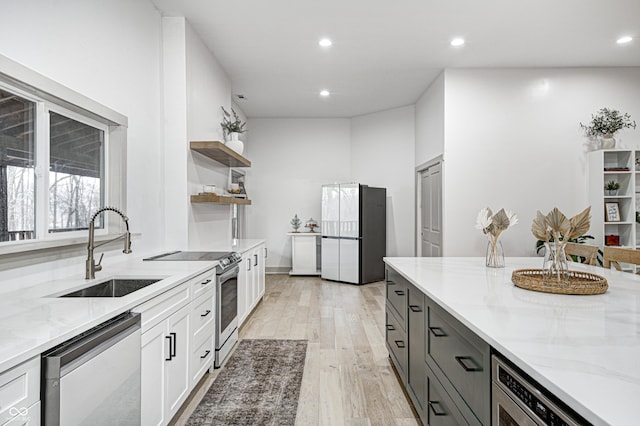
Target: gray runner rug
259, 385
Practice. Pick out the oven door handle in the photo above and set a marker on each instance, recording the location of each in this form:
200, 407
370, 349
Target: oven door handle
223, 277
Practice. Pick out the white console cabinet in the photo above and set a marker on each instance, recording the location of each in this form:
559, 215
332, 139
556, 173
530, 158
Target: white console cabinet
304, 253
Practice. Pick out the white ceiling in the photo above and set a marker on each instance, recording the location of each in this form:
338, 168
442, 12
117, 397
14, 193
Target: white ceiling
386, 53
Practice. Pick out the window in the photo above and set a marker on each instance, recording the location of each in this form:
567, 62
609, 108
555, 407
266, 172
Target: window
36, 134
17, 163
76, 173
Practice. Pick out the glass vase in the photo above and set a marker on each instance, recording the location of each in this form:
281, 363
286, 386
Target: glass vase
555, 261
495, 254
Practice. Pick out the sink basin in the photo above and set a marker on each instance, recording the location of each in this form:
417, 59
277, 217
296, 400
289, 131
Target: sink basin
116, 287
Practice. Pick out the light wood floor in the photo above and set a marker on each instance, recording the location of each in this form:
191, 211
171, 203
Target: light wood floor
347, 378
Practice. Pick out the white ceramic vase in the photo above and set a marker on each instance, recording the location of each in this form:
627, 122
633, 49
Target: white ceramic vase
608, 141
234, 143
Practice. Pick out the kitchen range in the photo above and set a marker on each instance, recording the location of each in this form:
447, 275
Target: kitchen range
226, 294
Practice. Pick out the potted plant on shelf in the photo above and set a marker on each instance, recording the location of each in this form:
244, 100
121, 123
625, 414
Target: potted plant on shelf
605, 124
612, 187
232, 129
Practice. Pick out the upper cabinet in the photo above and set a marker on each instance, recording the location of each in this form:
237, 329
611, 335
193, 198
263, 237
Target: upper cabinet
220, 152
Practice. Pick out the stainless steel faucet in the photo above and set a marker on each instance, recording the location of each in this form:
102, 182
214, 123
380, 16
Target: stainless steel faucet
91, 266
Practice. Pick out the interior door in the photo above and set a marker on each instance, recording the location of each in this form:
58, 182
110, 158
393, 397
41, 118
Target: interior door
431, 211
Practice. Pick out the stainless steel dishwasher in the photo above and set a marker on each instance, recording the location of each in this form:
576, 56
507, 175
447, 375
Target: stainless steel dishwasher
94, 378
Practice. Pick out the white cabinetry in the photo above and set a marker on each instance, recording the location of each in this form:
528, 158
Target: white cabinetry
617, 166
304, 253
251, 281
177, 332
20, 394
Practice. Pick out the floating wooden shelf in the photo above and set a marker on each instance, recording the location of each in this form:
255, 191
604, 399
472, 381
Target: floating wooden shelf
219, 199
221, 153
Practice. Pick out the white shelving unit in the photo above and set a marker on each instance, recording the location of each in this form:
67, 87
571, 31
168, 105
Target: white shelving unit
616, 165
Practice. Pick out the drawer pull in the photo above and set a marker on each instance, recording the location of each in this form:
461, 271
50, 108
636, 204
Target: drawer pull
461, 360
390, 283
390, 327
206, 282
436, 408
206, 354
400, 344
415, 308
170, 356
206, 313
437, 331
399, 292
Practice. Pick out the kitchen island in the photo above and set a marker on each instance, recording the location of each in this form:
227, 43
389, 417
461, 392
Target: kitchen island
583, 349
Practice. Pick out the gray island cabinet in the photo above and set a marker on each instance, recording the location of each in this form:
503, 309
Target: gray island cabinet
444, 367
471, 348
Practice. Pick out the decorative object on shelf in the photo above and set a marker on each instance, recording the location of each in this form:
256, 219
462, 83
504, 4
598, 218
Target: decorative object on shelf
612, 187
612, 211
555, 229
612, 240
232, 130
492, 226
605, 123
311, 224
295, 222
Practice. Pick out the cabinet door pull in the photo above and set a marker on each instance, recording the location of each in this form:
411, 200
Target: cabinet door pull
461, 360
248, 264
390, 327
170, 339
256, 259
265, 253
206, 313
400, 344
206, 354
390, 283
415, 308
436, 408
437, 331
175, 344
399, 292
206, 282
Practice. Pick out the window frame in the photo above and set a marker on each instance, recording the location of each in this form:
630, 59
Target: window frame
24, 82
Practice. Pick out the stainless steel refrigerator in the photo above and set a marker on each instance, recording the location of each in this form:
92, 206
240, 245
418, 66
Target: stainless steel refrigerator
354, 233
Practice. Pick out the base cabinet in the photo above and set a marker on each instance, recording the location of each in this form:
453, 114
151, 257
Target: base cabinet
444, 367
251, 281
165, 368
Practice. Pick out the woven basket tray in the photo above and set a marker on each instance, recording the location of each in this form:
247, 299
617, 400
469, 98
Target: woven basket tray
576, 283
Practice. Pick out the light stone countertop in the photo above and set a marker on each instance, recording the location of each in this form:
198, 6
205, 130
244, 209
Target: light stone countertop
31, 321
584, 349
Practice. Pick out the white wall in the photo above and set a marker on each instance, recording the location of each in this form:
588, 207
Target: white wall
208, 88
291, 160
513, 140
429, 119
382, 155
110, 52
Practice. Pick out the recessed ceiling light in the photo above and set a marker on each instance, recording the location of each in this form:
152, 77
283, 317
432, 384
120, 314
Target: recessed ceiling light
324, 93
325, 42
457, 42
625, 39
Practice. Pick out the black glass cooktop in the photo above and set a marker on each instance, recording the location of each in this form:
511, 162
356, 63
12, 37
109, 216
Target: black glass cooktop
191, 255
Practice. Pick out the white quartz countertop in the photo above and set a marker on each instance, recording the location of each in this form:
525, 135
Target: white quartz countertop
32, 321
584, 349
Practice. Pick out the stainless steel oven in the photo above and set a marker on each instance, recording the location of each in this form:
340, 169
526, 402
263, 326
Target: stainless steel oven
226, 308
519, 402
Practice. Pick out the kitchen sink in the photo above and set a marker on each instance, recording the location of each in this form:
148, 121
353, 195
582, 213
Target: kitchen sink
116, 287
